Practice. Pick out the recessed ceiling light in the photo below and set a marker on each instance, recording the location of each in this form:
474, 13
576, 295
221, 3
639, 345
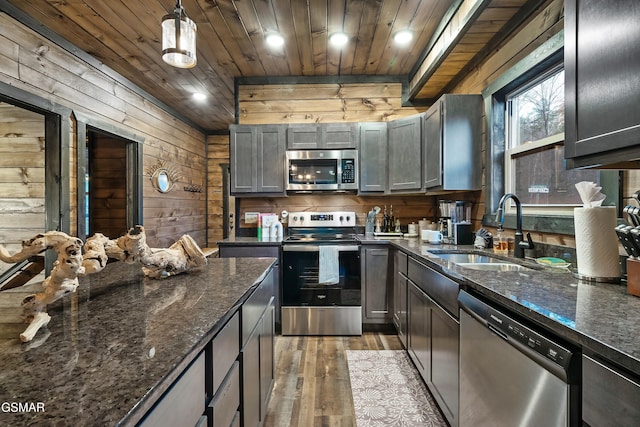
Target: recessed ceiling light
339, 39
199, 96
403, 36
275, 40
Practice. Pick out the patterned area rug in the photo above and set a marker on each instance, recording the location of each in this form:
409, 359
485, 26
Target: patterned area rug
388, 391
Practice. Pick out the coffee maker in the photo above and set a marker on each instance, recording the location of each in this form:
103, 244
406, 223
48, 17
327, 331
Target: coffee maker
455, 221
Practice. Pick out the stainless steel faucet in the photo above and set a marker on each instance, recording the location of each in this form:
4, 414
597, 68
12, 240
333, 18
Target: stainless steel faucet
519, 244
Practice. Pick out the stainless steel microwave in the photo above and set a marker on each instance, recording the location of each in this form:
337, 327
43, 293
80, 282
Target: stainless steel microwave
315, 170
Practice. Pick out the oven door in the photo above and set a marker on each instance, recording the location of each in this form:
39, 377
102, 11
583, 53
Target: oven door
300, 284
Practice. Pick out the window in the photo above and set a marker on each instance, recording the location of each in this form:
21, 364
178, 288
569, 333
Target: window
534, 146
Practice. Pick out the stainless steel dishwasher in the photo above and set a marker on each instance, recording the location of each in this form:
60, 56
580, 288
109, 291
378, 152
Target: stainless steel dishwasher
511, 375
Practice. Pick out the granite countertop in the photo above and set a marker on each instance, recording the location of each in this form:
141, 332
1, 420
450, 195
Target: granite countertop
600, 317
113, 348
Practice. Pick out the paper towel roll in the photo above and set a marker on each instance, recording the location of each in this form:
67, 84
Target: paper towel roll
596, 242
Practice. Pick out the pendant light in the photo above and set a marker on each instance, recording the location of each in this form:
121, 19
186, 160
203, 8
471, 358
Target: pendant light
179, 39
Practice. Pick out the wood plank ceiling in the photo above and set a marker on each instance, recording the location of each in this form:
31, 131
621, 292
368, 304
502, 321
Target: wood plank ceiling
125, 35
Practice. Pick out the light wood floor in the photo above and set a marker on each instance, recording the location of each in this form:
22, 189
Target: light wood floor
312, 385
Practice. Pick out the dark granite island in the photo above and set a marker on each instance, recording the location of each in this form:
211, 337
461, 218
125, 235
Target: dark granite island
113, 348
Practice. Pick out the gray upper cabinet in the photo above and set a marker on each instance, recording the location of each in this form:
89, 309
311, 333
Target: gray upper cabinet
257, 156
602, 82
321, 136
338, 135
452, 138
303, 137
405, 154
373, 157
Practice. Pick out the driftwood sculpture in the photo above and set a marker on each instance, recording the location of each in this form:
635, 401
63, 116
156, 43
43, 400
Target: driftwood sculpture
183, 255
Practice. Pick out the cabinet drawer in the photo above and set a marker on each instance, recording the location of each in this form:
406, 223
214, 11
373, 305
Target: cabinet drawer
225, 350
183, 404
608, 398
257, 303
441, 289
225, 403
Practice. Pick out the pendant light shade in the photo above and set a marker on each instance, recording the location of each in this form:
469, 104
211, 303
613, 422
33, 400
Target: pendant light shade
179, 39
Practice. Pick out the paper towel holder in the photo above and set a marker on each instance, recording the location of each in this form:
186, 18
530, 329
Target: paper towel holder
584, 278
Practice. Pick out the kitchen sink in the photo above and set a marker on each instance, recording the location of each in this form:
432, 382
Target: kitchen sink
493, 266
468, 258
481, 262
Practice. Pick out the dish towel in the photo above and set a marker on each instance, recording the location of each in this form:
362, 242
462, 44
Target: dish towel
328, 265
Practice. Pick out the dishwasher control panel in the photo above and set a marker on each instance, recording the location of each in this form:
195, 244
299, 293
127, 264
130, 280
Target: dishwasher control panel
524, 336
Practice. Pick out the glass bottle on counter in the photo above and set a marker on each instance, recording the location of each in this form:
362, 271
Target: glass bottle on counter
385, 220
392, 220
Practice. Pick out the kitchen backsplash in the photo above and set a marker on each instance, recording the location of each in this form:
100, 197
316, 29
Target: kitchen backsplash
405, 208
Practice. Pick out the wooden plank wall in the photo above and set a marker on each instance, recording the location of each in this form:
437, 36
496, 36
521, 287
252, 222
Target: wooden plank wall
321, 103
217, 154
21, 177
36, 65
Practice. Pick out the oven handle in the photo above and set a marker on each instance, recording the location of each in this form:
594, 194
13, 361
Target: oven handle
316, 248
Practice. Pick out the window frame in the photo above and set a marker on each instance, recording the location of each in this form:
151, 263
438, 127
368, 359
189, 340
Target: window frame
539, 61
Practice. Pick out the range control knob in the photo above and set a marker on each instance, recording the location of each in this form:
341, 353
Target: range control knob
342, 218
295, 218
301, 218
348, 218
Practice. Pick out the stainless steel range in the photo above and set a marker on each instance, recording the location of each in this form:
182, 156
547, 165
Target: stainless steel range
321, 289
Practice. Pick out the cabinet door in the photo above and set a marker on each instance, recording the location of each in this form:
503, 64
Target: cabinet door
444, 363
271, 160
419, 333
377, 293
373, 157
405, 154
303, 137
251, 380
432, 147
608, 398
602, 74
267, 366
243, 158
400, 295
338, 135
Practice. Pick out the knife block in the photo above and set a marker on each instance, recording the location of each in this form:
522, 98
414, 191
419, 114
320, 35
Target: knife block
633, 277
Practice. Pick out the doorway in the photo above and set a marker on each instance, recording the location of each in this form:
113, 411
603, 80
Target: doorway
111, 201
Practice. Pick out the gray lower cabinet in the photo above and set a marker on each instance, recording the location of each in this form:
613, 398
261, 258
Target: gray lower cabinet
452, 144
400, 285
377, 294
405, 154
184, 403
609, 398
230, 381
373, 158
257, 353
257, 159
433, 334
